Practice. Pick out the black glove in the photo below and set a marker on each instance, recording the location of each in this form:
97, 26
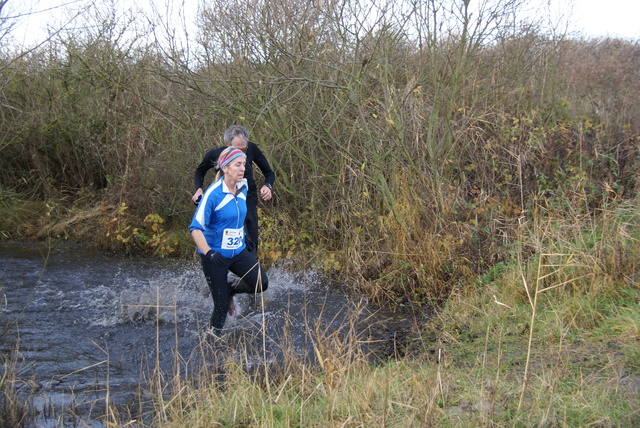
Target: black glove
211, 255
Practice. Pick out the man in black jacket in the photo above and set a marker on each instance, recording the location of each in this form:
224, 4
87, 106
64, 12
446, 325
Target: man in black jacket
238, 137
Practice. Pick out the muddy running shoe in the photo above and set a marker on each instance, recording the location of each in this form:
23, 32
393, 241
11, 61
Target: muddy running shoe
232, 307
214, 334
216, 339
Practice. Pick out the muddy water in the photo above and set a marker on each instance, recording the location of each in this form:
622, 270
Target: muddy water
83, 329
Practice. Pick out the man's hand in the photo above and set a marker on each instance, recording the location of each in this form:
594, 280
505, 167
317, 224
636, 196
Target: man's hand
265, 193
196, 196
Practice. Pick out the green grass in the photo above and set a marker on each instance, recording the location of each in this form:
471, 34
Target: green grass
472, 375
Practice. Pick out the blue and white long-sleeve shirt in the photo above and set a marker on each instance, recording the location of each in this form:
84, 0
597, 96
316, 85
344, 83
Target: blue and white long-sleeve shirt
220, 216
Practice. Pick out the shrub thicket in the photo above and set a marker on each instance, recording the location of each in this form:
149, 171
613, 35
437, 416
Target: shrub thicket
410, 144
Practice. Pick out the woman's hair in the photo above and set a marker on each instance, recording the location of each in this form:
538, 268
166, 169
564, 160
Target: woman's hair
233, 132
227, 155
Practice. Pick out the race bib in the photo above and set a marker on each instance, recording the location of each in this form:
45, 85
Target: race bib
232, 239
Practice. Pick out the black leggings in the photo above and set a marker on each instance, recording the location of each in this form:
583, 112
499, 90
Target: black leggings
246, 266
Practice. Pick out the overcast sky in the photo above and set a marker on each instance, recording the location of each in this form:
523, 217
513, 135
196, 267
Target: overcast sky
592, 18
608, 18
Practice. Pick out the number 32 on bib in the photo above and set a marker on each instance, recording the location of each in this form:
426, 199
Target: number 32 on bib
232, 238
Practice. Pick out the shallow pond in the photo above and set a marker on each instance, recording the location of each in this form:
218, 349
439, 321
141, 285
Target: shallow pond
81, 329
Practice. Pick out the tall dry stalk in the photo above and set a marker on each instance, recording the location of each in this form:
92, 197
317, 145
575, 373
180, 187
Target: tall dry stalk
550, 267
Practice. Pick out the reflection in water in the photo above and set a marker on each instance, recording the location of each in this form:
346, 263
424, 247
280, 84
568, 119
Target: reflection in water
86, 328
